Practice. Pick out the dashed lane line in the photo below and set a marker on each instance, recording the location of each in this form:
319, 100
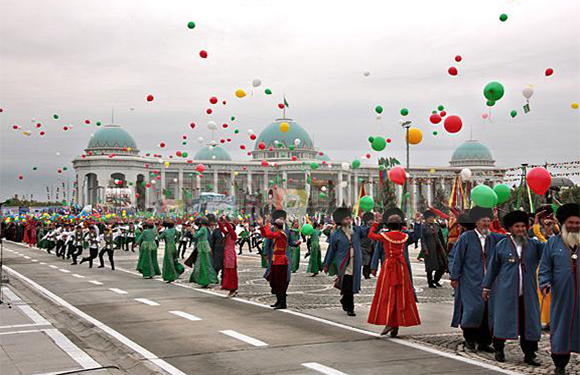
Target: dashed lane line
244, 338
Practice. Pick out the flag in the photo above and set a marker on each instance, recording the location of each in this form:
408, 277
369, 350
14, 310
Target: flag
286, 103
362, 193
526, 108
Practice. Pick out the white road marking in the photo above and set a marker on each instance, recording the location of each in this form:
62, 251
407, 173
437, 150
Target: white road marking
118, 291
63, 270
147, 301
322, 369
105, 328
71, 349
42, 263
26, 257
78, 276
10, 294
95, 282
185, 315
23, 325
20, 332
33, 315
52, 266
244, 338
35, 260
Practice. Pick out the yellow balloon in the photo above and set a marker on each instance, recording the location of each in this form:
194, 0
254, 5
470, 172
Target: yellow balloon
415, 136
284, 127
236, 173
574, 105
432, 170
129, 148
166, 164
240, 93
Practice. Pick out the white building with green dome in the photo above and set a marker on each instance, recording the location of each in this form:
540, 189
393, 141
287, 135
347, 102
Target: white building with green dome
113, 162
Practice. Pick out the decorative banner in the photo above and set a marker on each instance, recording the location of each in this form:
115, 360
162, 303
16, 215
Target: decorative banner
293, 201
213, 202
118, 197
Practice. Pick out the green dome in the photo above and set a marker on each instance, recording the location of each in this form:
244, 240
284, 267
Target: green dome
323, 157
272, 133
212, 153
112, 137
472, 153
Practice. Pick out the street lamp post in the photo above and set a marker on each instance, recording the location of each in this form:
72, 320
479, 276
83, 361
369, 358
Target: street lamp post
406, 125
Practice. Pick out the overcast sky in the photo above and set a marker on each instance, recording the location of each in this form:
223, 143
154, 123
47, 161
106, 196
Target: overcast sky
79, 58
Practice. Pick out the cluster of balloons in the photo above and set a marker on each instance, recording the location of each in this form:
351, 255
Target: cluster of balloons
453, 70
378, 143
493, 92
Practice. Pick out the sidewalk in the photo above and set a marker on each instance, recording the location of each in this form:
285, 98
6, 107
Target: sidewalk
30, 345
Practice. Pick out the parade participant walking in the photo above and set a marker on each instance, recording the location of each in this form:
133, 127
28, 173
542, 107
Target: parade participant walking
512, 276
244, 237
367, 246
76, 245
471, 255
147, 264
295, 250
315, 260
109, 248
394, 300
230, 271
203, 272
172, 269
184, 238
216, 243
129, 239
278, 272
345, 248
433, 247
559, 270
93, 239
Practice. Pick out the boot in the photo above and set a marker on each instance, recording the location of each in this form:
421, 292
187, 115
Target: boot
500, 356
438, 276
530, 359
430, 280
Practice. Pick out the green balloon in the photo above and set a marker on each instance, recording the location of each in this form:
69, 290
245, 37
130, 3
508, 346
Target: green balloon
493, 91
314, 165
64, 168
404, 112
379, 109
191, 24
503, 17
322, 195
307, 230
268, 92
184, 143
513, 113
355, 164
490, 103
381, 167
291, 148
484, 196
435, 133
503, 193
184, 154
440, 107
34, 168
271, 182
233, 118
367, 203
236, 131
433, 112
98, 123
55, 117
379, 144
144, 184
371, 139
209, 187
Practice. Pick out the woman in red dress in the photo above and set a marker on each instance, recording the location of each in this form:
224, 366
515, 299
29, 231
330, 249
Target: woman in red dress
394, 301
230, 272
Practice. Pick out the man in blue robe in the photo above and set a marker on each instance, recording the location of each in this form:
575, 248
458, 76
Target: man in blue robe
345, 247
559, 274
512, 269
470, 259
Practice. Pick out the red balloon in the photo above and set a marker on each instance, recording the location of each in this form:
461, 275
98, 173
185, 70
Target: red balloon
458, 58
294, 158
38, 125
87, 122
184, 136
243, 147
42, 133
15, 127
222, 140
65, 128
321, 153
209, 111
271, 148
20, 177
146, 165
549, 72
59, 171
147, 185
442, 113
150, 98
253, 137
203, 54
452, 71
192, 125
539, 180
213, 100
225, 126
162, 145
200, 168
389, 140
264, 163
453, 124
178, 153
368, 156
261, 145
249, 153
397, 175
229, 139
281, 106
189, 161
435, 118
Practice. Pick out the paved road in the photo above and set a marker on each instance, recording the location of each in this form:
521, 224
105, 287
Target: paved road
192, 331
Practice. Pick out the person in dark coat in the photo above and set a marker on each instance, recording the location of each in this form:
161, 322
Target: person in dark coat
471, 255
216, 242
559, 273
433, 246
513, 271
367, 246
345, 247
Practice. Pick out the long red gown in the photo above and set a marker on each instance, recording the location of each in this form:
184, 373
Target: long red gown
230, 272
394, 301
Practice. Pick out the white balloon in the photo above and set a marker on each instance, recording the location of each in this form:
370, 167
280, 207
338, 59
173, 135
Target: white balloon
160, 160
323, 188
175, 180
366, 73
297, 142
344, 184
465, 174
345, 166
256, 82
250, 132
153, 182
213, 157
213, 143
58, 153
528, 91
401, 121
200, 139
212, 125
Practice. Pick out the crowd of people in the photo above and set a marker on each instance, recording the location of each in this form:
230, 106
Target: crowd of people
511, 277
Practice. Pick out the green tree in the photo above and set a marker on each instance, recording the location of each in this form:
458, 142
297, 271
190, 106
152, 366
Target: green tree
570, 195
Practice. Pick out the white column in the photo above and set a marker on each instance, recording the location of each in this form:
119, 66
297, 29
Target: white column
215, 180
180, 184
285, 180
232, 186
339, 190
265, 183
249, 182
133, 199
147, 197
348, 190
399, 189
430, 191
198, 184
414, 194
355, 191
371, 186
162, 187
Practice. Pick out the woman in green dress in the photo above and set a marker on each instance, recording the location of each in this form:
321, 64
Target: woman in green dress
41, 244
203, 272
315, 261
295, 250
172, 269
147, 264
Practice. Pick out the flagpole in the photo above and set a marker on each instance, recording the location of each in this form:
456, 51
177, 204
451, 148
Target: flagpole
284, 108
